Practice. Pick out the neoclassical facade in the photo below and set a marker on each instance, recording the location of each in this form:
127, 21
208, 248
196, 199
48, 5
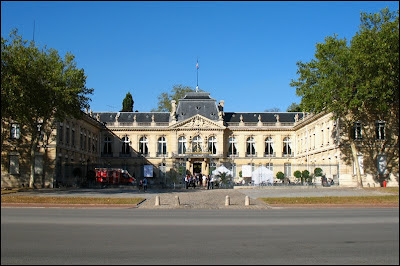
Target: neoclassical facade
196, 137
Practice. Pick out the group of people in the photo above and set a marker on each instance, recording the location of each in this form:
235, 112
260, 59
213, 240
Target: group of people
143, 184
199, 180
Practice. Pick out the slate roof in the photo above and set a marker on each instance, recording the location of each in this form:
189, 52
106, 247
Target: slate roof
266, 117
128, 116
197, 103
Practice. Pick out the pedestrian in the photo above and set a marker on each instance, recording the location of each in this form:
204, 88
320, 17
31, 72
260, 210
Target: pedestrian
140, 185
145, 184
208, 181
212, 181
187, 181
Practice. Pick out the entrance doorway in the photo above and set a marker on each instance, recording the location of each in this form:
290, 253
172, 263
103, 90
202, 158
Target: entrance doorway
196, 168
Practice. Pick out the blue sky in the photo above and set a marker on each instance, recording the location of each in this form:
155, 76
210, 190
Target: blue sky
247, 51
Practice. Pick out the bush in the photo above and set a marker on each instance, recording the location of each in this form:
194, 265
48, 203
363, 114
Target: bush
297, 174
280, 175
318, 171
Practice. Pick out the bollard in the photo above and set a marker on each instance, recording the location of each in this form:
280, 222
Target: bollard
227, 201
247, 201
157, 200
177, 201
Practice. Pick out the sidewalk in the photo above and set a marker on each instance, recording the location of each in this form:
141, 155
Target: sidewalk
198, 198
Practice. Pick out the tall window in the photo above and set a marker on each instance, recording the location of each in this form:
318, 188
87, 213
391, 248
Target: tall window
14, 165
287, 146
357, 130
380, 130
143, 146
270, 166
163, 169
125, 145
232, 149
288, 169
269, 149
67, 135
212, 145
107, 145
61, 134
251, 146
197, 144
73, 137
381, 160
14, 131
81, 140
181, 145
162, 146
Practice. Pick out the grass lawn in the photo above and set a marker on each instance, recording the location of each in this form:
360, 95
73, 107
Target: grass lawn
69, 200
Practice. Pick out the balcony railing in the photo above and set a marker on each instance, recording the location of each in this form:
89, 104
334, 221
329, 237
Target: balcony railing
270, 154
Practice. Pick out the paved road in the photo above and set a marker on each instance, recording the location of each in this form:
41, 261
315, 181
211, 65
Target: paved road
191, 236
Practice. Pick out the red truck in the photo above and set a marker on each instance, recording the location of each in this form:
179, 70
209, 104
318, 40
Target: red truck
113, 176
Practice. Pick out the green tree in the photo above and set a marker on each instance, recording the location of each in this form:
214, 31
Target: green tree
294, 107
164, 99
274, 109
318, 171
280, 175
127, 103
358, 81
297, 174
38, 87
305, 175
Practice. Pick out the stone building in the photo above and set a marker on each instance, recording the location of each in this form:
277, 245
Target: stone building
196, 137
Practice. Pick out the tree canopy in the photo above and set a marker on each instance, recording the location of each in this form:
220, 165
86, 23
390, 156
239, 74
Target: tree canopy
164, 99
127, 103
357, 81
294, 107
38, 86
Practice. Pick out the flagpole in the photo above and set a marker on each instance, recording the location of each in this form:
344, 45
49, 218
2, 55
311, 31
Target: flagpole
197, 67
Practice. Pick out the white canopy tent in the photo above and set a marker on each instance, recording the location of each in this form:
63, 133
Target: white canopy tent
220, 170
262, 175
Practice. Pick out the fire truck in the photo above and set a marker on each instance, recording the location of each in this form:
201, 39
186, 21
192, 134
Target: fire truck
113, 176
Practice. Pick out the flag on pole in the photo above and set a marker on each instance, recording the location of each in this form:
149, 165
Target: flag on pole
197, 65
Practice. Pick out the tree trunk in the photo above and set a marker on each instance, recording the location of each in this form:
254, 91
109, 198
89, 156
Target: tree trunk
356, 163
32, 176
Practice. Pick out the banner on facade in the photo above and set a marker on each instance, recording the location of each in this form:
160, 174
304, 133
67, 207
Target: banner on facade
246, 171
148, 170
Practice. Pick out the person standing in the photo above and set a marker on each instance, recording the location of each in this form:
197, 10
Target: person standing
186, 181
145, 184
208, 182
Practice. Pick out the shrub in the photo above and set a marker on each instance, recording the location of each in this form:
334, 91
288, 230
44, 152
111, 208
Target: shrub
280, 175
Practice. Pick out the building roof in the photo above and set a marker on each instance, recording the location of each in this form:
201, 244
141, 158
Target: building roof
129, 116
197, 103
266, 117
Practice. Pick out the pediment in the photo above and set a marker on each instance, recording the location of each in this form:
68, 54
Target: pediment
197, 122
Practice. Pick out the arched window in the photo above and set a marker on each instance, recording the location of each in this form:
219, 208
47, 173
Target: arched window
197, 144
162, 146
125, 145
232, 149
181, 145
143, 146
107, 145
287, 146
251, 146
269, 149
212, 145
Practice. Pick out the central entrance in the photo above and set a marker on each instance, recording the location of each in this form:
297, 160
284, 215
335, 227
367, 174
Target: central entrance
196, 168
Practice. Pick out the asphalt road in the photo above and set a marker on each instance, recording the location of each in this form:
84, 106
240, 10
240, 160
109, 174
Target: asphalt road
137, 236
